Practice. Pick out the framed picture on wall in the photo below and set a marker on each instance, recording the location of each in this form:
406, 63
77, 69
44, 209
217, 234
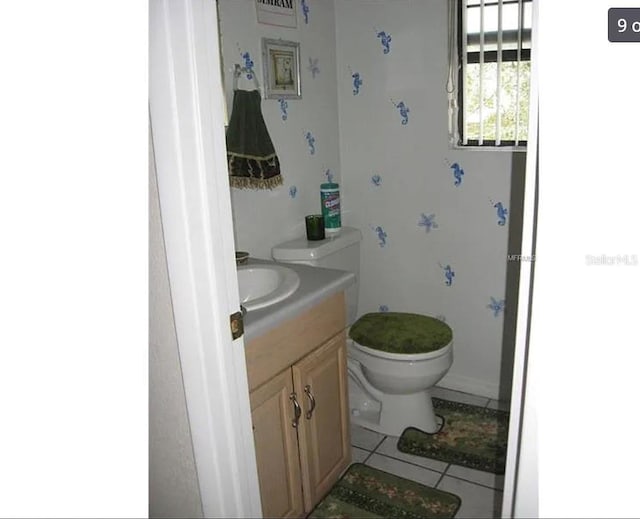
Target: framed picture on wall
281, 62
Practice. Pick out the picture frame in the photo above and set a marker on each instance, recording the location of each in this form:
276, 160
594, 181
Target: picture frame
281, 63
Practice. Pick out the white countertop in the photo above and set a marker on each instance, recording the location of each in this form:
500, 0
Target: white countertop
316, 284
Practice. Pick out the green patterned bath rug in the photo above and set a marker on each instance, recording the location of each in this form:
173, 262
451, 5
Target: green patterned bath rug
474, 437
367, 492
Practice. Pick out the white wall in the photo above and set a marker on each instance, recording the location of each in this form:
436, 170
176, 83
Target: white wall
265, 218
413, 161
173, 482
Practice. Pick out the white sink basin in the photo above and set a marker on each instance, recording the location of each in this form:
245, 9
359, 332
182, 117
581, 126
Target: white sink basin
264, 285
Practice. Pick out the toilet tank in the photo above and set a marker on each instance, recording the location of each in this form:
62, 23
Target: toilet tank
340, 251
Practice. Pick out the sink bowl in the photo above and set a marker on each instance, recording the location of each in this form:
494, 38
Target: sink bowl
265, 285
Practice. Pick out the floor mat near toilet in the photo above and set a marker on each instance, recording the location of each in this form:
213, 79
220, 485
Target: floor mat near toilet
474, 437
367, 492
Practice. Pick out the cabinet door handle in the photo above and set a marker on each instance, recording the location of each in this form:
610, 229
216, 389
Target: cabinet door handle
307, 390
297, 410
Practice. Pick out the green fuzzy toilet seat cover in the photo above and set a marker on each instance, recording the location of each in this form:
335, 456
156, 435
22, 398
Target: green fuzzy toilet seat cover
397, 332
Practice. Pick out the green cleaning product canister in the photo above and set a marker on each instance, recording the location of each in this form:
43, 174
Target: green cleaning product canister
330, 201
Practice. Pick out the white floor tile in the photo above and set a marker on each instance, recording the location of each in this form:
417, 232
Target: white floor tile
498, 404
364, 438
358, 455
389, 448
477, 476
477, 501
458, 396
404, 470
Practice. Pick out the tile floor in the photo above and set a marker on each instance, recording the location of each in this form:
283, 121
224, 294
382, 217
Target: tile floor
480, 492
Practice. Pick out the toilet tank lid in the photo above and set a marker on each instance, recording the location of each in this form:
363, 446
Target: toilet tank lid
302, 249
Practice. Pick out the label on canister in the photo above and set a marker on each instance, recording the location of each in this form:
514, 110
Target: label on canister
330, 202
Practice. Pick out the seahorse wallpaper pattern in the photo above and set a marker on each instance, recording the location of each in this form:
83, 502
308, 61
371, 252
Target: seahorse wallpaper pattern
304, 131
435, 230
373, 118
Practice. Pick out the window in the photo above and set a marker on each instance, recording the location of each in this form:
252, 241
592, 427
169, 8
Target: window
494, 59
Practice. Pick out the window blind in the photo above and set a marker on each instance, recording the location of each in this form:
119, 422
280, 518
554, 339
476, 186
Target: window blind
494, 56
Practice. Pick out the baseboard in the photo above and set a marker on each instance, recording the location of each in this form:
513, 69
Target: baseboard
470, 385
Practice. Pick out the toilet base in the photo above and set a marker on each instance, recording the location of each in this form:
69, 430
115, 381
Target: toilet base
391, 414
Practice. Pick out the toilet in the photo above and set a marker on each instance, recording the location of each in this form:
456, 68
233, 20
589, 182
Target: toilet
393, 358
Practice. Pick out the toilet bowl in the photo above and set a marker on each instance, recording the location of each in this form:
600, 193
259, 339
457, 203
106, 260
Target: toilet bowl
389, 392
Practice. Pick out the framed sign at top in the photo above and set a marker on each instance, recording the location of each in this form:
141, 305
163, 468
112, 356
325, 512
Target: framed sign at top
277, 12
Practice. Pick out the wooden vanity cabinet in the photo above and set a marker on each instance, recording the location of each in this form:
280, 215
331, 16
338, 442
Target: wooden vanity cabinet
323, 435
276, 448
299, 459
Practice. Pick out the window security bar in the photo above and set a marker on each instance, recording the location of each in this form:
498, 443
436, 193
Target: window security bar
503, 47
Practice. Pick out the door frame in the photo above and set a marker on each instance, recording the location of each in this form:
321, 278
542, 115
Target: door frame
186, 107
520, 493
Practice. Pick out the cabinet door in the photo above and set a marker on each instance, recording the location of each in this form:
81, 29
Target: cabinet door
277, 447
324, 435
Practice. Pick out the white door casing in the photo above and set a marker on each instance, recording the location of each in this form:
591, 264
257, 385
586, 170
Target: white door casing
185, 102
520, 497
